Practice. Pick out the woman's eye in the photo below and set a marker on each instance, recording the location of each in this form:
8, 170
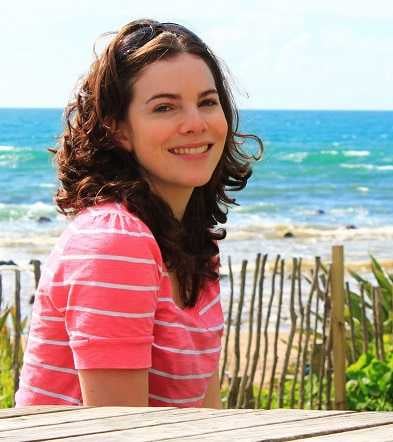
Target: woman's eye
209, 102
162, 108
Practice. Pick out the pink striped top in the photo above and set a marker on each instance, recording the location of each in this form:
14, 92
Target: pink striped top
105, 301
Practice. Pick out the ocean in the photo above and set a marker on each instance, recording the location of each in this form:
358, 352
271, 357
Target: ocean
326, 178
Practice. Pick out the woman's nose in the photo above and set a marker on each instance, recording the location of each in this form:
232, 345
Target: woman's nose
193, 121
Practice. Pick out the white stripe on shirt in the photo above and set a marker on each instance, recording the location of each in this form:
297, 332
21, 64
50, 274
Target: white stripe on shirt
210, 305
144, 288
187, 351
109, 258
166, 299
32, 361
187, 327
48, 341
77, 231
180, 376
51, 393
75, 335
107, 312
48, 318
176, 401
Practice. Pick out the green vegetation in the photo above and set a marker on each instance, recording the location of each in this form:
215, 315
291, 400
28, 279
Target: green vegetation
358, 302
370, 384
7, 359
369, 387
370, 379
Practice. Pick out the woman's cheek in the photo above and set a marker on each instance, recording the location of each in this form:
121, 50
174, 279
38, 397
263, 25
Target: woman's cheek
222, 125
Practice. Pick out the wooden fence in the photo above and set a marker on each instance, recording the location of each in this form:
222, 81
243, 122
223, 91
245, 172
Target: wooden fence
289, 334
329, 323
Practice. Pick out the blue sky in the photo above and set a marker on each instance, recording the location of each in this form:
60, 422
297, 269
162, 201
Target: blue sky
282, 54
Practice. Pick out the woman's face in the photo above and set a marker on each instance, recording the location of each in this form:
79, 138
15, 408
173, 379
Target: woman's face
175, 125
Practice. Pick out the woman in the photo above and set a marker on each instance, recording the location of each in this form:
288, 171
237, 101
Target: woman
128, 309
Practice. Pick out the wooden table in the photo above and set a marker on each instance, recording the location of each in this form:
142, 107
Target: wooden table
41, 423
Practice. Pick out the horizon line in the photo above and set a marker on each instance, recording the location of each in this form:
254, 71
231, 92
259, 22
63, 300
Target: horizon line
240, 109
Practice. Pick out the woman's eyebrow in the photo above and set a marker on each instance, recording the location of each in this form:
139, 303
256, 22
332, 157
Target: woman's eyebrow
177, 96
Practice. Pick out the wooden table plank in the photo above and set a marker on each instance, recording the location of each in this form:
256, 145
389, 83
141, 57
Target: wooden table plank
170, 424
182, 424
35, 409
383, 433
70, 424
278, 432
71, 415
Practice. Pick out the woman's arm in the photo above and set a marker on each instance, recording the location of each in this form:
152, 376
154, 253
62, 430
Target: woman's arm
212, 398
114, 387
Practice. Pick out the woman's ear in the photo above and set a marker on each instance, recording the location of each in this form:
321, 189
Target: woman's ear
123, 135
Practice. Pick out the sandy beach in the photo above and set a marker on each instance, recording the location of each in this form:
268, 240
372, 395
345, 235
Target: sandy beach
281, 349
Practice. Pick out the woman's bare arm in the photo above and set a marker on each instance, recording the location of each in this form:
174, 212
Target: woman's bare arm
213, 398
114, 387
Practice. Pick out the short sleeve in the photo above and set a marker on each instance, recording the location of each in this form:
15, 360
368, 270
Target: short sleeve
111, 270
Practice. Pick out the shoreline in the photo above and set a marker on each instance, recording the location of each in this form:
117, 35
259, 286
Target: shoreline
22, 247
21, 254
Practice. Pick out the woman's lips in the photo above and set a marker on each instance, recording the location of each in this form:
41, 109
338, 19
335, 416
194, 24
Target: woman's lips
191, 152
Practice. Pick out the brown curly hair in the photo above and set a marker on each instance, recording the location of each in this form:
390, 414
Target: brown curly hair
93, 168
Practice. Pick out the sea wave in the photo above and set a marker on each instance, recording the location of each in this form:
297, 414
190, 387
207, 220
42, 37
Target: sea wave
329, 152
356, 153
366, 166
295, 231
359, 212
27, 212
12, 160
296, 157
7, 148
49, 185
253, 208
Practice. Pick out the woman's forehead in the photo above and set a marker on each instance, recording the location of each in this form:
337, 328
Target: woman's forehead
184, 72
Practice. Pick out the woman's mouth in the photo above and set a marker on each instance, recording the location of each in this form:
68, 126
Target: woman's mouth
190, 150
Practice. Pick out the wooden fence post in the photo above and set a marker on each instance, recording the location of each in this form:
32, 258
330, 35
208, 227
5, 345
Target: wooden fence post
338, 326
17, 330
1, 289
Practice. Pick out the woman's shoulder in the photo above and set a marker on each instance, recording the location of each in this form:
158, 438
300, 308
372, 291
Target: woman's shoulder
110, 216
109, 227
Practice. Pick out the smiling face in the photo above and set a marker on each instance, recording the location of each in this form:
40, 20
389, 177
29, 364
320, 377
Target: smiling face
175, 125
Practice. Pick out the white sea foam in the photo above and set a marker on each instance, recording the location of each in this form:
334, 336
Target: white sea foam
50, 185
362, 189
6, 148
12, 158
329, 152
366, 166
296, 157
350, 211
358, 166
26, 213
356, 153
40, 206
252, 208
307, 232
9, 161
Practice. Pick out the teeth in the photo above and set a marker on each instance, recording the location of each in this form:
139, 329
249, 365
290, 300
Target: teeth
190, 150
